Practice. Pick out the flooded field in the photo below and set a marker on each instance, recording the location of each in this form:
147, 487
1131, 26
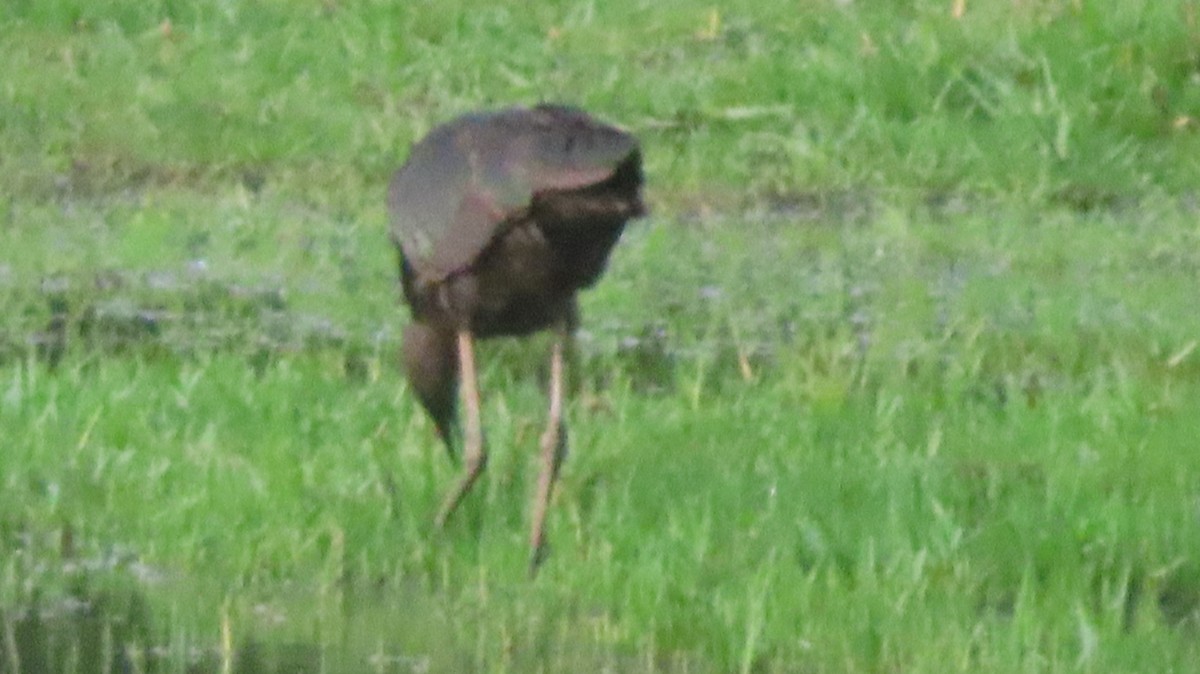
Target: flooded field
900, 374
780, 419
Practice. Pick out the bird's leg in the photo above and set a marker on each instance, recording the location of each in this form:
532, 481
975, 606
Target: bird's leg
554, 448
474, 450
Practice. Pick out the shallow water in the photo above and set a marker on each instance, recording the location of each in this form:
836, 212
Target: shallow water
127, 631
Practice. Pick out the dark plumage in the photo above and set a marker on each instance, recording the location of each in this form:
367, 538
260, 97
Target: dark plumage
500, 218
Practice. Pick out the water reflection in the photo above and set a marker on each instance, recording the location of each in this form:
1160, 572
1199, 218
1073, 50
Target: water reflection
99, 634
114, 632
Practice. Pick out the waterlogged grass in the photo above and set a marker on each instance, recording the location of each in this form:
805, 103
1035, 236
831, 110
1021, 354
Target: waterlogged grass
933, 445
901, 375
885, 531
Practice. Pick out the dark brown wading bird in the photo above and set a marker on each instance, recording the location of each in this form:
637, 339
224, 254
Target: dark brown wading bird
500, 218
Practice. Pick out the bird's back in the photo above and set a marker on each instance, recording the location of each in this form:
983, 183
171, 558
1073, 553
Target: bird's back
501, 217
471, 179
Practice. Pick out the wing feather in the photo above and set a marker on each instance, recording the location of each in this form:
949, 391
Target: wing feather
470, 176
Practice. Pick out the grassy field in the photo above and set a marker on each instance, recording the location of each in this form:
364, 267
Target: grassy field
900, 375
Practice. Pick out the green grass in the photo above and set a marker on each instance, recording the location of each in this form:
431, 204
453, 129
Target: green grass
900, 375
1060, 100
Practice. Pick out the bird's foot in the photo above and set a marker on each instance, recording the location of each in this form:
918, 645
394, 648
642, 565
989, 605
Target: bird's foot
540, 553
439, 522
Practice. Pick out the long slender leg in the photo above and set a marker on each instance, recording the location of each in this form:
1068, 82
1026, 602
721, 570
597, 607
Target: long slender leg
554, 446
474, 450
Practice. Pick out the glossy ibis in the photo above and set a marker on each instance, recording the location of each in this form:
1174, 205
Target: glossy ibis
500, 218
